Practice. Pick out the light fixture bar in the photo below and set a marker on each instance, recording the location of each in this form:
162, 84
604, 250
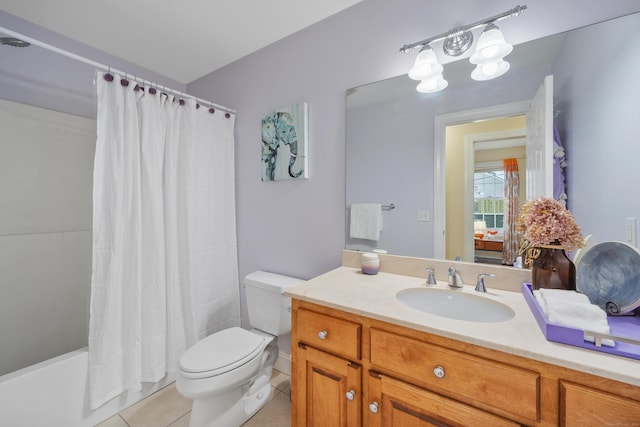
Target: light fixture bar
458, 31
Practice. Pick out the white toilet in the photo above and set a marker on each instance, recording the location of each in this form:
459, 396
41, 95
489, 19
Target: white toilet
227, 374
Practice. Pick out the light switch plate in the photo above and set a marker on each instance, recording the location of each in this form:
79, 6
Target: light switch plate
630, 234
424, 216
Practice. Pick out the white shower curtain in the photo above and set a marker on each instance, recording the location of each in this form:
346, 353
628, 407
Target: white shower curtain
165, 268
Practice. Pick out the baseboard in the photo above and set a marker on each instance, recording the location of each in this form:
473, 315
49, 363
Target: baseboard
283, 363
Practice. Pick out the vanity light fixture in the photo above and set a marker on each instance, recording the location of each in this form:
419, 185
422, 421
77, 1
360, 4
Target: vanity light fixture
490, 51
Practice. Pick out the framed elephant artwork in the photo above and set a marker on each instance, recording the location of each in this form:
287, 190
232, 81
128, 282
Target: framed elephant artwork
285, 143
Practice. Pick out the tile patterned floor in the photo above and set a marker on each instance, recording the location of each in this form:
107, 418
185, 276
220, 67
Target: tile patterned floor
166, 408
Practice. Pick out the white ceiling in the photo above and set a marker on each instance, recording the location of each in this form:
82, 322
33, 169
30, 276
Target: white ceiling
181, 39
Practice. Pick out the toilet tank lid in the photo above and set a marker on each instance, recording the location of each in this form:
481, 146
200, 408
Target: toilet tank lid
270, 281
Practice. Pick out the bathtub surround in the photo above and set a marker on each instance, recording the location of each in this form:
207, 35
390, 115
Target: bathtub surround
164, 245
45, 233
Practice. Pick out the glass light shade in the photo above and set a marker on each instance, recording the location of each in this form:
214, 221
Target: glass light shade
490, 70
491, 46
434, 84
425, 66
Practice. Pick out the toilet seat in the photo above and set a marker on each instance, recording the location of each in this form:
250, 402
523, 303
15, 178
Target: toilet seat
221, 352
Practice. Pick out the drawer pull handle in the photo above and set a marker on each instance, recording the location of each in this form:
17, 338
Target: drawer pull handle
373, 407
351, 394
438, 371
323, 335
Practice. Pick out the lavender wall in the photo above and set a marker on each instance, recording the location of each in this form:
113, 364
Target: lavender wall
598, 98
297, 227
42, 78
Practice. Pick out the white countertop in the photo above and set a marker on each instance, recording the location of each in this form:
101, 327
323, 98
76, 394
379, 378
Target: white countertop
349, 290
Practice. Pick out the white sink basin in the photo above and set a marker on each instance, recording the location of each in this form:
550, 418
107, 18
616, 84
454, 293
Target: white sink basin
455, 304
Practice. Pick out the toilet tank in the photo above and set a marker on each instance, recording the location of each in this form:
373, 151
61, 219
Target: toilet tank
269, 310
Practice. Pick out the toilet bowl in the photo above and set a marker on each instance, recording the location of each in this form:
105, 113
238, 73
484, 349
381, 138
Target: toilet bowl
227, 374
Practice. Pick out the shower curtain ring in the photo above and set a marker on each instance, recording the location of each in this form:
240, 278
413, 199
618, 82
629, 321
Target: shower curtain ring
108, 77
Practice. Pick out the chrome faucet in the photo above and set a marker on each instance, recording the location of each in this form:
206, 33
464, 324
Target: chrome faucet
431, 278
455, 280
480, 284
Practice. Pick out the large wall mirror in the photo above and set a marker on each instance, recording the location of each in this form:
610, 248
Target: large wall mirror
393, 156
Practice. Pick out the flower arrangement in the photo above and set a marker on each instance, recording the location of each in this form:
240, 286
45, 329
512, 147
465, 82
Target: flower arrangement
545, 222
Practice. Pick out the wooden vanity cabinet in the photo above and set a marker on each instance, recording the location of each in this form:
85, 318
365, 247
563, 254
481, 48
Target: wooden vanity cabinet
349, 370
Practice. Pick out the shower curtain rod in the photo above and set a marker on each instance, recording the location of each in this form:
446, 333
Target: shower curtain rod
108, 69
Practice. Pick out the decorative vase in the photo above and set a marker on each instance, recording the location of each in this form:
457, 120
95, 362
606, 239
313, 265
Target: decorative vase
551, 268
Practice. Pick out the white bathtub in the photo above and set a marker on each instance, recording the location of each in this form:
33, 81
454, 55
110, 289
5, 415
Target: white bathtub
55, 393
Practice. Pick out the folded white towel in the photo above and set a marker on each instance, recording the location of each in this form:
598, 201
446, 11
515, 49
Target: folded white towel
541, 302
561, 294
575, 314
579, 315
366, 221
564, 294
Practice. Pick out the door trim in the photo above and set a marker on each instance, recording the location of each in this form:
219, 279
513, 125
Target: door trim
441, 121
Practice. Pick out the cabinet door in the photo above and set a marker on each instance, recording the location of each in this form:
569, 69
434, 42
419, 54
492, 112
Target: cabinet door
327, 391
583, 406
393, 403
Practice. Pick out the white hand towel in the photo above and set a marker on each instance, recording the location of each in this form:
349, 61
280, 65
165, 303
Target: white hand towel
559, 294
541, 302
366, 221
579, 315
565, 295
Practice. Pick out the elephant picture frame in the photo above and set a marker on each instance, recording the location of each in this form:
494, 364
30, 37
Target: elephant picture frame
285, 137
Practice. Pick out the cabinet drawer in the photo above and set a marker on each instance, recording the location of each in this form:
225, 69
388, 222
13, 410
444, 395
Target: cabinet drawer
337, 336
584, 406
510, 389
